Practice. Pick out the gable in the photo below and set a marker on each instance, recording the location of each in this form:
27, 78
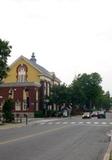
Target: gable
32, 73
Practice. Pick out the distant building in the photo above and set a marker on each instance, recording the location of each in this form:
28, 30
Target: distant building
28, 84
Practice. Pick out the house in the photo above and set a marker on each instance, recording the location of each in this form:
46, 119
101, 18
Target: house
29, 85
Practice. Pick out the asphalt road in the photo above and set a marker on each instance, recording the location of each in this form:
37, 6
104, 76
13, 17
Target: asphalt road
64, 139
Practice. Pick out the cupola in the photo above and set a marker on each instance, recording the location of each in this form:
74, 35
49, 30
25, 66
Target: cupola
33, 59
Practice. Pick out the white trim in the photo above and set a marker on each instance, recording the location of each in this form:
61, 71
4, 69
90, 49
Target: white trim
45, 78
25, 59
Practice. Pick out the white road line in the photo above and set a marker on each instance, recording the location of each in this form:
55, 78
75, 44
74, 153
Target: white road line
58, 123
50, 122
81, 122
78, 123
65, 122
88, 122
96, 122
103, 123
73, 122
42, 123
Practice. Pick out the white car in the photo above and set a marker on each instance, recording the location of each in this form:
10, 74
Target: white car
86, 115
94, 114
65, 114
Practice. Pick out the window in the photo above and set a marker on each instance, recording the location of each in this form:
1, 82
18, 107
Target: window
18, 105
21, 73
24, 105
11, 93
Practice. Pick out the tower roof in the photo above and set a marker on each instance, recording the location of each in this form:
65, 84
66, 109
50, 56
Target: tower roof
33, 59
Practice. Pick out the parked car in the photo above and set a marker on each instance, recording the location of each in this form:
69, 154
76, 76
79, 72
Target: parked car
94, 114
65, 113
101, 114
86, 115
59, 114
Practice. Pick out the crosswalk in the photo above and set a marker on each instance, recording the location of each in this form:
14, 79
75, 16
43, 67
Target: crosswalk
76, 123
50, 123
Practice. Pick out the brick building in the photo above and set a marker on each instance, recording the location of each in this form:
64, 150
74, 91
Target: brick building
28, 84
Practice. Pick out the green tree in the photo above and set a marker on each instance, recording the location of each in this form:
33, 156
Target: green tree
85, 92
78, 97
104, 101
86, 88
5, 50
59, 94
8, 109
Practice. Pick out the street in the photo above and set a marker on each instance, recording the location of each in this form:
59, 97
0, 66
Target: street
63, 139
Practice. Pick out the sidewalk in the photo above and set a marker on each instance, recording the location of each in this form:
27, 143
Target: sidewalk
10, 125
107, 155
109, 150
31, 121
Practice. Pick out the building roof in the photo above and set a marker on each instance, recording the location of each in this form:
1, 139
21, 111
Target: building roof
42, 70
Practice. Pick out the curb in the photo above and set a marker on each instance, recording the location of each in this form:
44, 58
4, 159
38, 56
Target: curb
107, 155
9, 126
19, 125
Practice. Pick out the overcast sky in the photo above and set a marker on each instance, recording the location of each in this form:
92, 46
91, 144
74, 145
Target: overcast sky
68, 36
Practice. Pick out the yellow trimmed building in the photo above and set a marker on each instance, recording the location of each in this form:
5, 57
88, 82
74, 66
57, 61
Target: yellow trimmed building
28, 84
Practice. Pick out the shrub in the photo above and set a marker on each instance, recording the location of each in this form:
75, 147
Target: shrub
51, 113
38, 114
7, 110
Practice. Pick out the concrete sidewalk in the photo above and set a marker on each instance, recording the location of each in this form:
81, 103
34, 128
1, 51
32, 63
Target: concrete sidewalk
107, 155
30, 121
10, 125
109, 150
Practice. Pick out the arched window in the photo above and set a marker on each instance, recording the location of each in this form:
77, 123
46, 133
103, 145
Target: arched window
21, 73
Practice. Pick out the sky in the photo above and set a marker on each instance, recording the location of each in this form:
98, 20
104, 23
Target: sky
68, 37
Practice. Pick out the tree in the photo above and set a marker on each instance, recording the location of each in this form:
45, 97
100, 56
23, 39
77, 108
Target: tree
78, 97
59, 94
5, 50
8, 109
104, 101
86, 88
85, 92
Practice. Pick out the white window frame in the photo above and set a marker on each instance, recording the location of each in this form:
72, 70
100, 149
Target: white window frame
17, 106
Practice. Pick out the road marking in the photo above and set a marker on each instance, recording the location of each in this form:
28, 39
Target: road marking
58, 122
65, 122
81, 122
96, 122
88, 122
73, 122
103, 123
78, 123
42, 123
31, 135
50, 122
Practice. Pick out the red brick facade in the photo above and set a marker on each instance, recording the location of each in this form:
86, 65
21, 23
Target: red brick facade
29, 96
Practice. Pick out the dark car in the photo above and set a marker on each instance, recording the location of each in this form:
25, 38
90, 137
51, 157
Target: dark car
101, 114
